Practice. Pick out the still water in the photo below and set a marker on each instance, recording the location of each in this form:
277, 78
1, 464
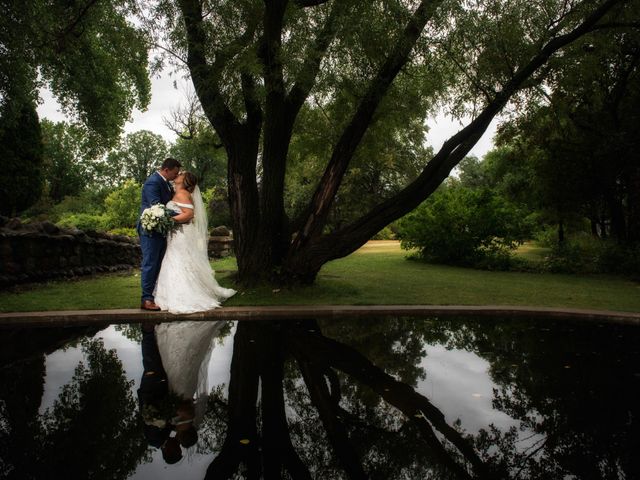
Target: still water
381, 398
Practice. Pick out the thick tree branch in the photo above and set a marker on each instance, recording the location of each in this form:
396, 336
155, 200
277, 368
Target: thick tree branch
316, 52
270, 50
615, 25
251, 101
319, 349
204, 77
327, 409
453, 150
322, 199
72, 25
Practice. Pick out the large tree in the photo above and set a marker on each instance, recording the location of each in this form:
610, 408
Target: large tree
254, 65
89, 55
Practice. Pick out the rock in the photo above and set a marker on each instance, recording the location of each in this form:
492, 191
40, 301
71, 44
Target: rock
13, 224
220, 231
49, 228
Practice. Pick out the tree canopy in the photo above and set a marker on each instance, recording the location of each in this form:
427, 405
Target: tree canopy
259, 68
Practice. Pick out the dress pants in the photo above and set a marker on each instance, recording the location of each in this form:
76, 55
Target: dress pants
153, 248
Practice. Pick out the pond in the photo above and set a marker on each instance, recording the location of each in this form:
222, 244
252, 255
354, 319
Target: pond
382, 398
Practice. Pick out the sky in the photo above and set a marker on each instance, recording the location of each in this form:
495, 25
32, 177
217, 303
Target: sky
167, 92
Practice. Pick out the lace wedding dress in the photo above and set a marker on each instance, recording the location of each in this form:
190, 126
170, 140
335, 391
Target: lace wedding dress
186, 283
185, 349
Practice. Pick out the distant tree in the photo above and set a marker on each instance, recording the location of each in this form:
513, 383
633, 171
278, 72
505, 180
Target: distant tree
203, 155
69, 159
198, 147
138, 155
580, 145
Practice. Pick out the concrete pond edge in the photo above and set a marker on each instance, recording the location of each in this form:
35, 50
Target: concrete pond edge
298, 312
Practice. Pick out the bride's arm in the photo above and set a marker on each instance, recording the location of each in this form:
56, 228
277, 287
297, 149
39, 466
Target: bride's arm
185, 215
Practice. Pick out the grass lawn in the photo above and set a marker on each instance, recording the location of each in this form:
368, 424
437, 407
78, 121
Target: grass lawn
378, 273
532, 252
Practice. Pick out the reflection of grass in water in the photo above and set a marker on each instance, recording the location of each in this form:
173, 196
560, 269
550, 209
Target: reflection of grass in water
376, 274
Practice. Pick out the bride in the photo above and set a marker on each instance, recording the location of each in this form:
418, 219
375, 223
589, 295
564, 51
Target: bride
186, 283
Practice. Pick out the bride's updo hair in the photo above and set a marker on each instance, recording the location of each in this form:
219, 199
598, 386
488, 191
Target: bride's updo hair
190, 181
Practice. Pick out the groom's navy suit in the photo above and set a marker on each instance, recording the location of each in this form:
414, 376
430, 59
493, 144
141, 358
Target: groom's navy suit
155, 190
153, 388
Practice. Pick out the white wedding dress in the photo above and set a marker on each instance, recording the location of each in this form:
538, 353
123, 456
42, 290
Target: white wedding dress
186, 283
185, 349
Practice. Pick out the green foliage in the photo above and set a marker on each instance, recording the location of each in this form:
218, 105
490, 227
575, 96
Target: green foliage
21, 145
138, 155
88, 201
84, 221
387, 160
90, 55
387, 233
201, 153
119, 210
215, 199
70, 160
461, 226
579, 146
586, 254
122, 205
127, 232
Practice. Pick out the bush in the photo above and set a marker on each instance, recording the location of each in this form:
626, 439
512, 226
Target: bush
84, 221
122, 206
463, 226
127, 232
88, 201
385, 234
217, 205
586, 254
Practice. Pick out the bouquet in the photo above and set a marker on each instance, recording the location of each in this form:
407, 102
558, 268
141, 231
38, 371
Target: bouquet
157, 218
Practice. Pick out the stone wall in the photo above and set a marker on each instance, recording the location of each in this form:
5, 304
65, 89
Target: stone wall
41, 251
220, 242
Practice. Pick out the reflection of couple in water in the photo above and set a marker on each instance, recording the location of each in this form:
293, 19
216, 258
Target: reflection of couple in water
173, 389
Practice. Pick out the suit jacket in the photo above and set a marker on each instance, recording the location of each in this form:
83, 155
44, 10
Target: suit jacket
155, 190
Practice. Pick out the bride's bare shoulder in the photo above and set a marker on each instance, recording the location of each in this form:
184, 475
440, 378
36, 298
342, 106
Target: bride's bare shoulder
182, 197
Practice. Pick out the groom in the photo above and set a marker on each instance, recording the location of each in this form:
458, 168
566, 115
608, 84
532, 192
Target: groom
155, 190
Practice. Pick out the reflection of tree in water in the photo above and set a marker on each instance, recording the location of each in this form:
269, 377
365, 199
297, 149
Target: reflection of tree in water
91, 431
574, 387
345, 408
346, 416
